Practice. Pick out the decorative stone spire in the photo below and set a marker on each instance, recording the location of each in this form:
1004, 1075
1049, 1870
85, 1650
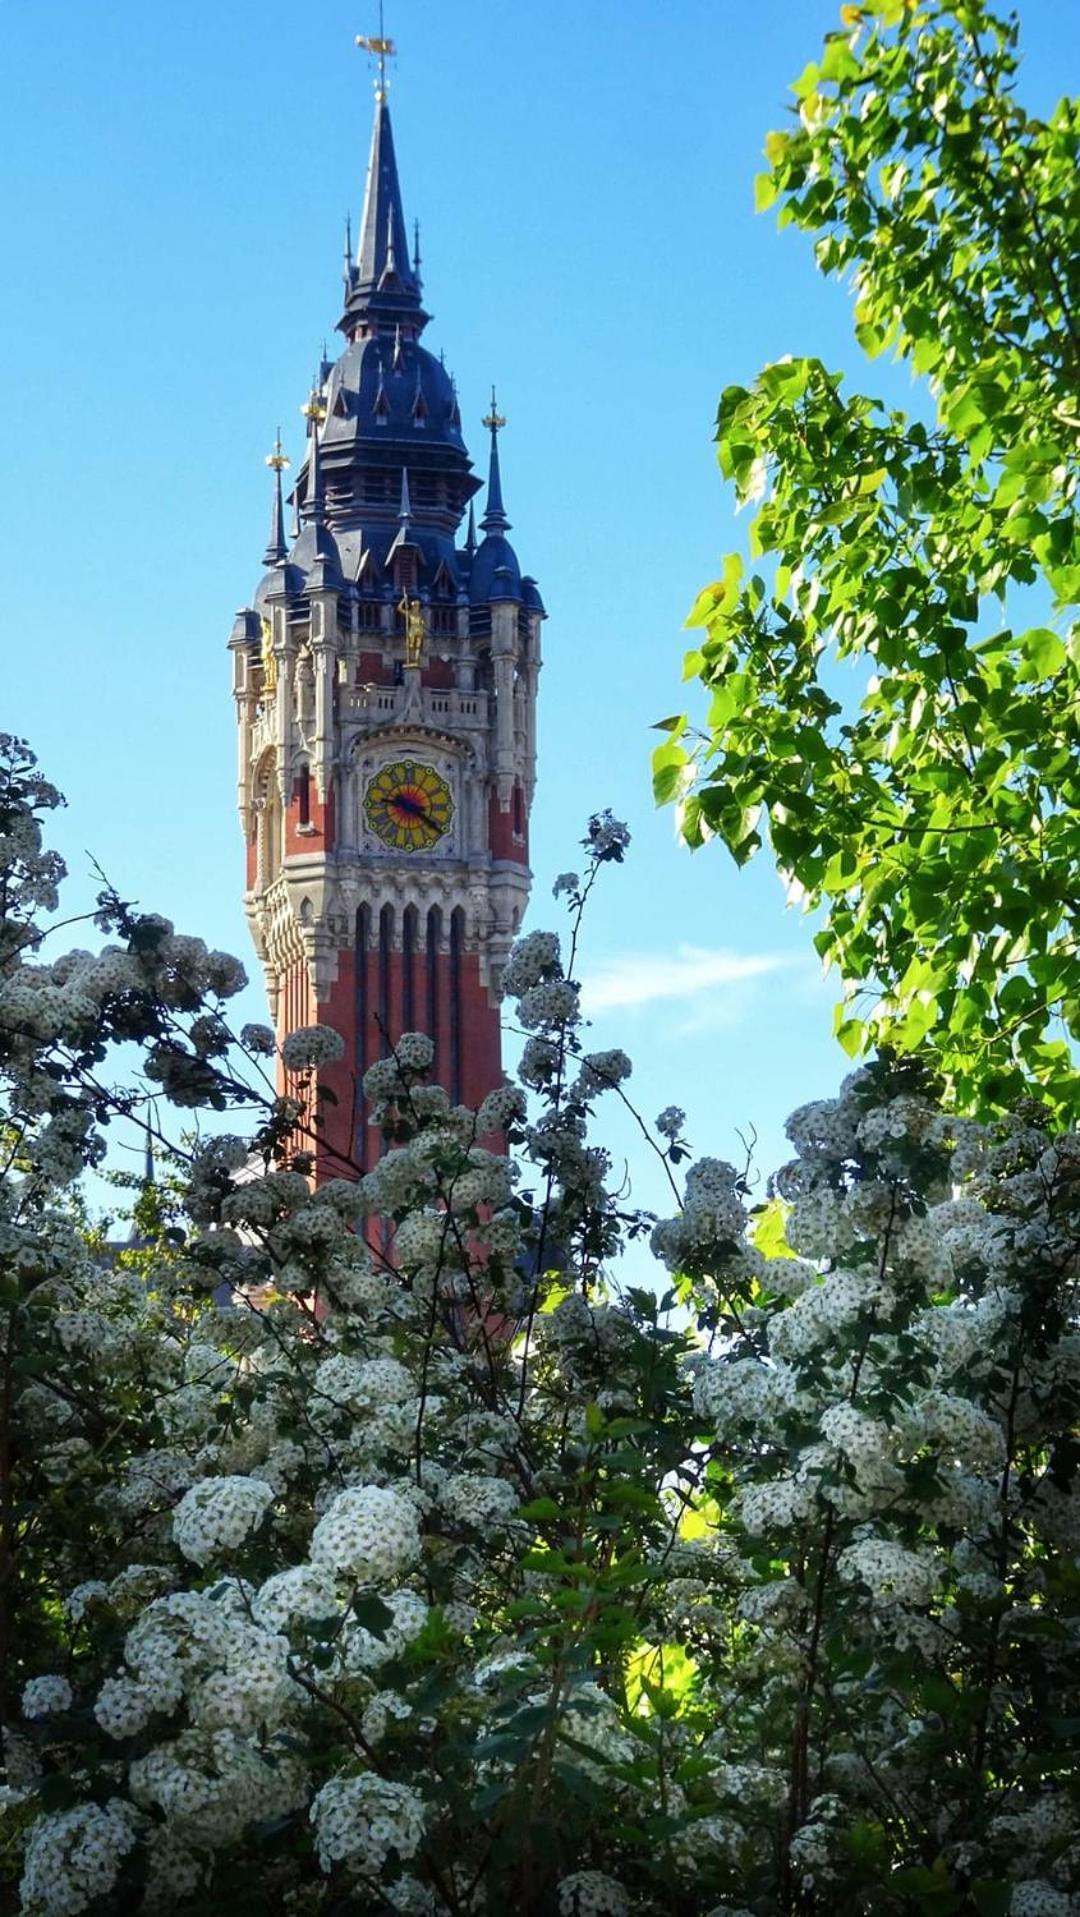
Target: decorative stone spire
275, 545
470, 537
405, 511
494, 519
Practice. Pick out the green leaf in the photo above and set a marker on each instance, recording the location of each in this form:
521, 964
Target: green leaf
372, 1614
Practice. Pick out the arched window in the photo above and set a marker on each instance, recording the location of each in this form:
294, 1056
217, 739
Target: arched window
303, 795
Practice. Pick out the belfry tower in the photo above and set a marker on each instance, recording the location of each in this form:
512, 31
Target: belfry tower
385, 680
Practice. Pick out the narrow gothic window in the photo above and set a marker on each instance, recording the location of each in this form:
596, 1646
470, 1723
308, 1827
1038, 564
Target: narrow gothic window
303, 793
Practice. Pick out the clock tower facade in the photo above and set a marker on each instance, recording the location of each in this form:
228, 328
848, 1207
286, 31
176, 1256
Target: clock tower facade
385, 678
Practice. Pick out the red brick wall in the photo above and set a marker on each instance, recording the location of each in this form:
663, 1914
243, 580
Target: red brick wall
504, 841
318, 835
347, 1144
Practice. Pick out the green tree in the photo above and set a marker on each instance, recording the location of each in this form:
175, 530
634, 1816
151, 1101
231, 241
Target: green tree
934, 818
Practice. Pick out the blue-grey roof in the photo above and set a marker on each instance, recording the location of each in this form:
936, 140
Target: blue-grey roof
495, 573
389, 465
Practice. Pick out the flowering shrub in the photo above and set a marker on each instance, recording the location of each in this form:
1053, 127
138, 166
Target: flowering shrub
433, 1572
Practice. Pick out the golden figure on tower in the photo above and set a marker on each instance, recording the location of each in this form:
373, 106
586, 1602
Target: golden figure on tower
268, 658
415, 629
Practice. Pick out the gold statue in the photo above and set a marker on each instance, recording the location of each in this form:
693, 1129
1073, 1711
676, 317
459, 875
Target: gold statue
269, 658
415, 630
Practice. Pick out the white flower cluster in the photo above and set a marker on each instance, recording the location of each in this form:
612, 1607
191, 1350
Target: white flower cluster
217, 1514
364, 1820
369, 1533
552, 1003
1036, 1898
602, 1071
894, 1573
415, 1052
210, 1785
535, 957
483, 1504
258, 1039
45, 1696
502, 1107
310, 1046
607, 837
592, 1893
711, 1226
74, 1856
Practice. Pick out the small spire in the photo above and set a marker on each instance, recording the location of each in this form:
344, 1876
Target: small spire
405, 513
148, 1168
347, 267
316, 500
397, 361
381, 404
416, 254
470, 536
275, 545
315, 412
494, 519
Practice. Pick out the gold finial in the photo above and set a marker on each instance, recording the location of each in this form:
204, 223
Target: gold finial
314, 407
382, 48
415, 629
278, 460
494, 420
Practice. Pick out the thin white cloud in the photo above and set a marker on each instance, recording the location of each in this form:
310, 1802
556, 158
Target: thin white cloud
635, 979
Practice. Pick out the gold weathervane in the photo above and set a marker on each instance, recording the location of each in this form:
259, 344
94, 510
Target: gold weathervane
383, 50
494, 421
278, 460
415, 629
314, 408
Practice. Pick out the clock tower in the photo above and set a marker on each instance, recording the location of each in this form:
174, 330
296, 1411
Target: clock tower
385, 678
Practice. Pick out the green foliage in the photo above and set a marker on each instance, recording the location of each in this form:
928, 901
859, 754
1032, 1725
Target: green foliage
927, 799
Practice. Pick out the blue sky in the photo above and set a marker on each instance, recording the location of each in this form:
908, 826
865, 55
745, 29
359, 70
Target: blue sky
175, 185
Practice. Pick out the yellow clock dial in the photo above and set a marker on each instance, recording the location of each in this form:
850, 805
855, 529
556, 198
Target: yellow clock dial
409, 806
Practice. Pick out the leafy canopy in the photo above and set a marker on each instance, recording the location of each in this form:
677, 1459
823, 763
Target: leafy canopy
934, 820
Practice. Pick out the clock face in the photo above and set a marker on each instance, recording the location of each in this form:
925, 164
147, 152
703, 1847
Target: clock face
409, 806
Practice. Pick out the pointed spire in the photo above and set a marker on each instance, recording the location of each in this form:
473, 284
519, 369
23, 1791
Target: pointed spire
397, 361
470, 537
405, 513
275, 545
316, 500
148, 1168
347, 267
315, 412
494, 519
416, 254
383, 251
